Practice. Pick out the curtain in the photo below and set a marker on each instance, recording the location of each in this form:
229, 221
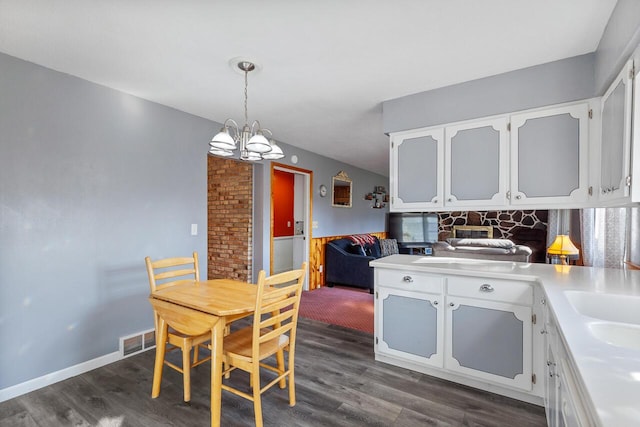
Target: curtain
553, 225
604, 236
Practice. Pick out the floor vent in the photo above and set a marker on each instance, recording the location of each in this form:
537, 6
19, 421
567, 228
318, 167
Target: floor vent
137, 343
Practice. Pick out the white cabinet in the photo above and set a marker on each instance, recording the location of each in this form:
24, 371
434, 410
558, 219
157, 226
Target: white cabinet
410, 325
550, 156
417, 160
543, 160
489, 330
564, 402
476, 164
461, 327
409, 320
615, 143
452, 167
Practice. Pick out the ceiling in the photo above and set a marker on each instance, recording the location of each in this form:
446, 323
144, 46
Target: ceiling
325, 67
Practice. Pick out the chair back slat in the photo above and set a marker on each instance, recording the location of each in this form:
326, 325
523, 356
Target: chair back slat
168, 272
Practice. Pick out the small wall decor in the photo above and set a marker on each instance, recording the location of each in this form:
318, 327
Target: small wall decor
341, 190
378, 196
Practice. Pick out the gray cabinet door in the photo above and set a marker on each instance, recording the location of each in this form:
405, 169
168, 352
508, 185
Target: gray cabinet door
476, 161
490, 340
615, 143
409, 325
549, 155
416, 170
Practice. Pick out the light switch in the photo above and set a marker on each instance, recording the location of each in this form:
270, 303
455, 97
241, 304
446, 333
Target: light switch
314, 224
194, 229
288, 224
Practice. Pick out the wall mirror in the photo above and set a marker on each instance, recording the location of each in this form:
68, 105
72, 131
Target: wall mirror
341, 190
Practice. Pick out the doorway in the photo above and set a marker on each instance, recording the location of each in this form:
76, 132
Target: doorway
290, 233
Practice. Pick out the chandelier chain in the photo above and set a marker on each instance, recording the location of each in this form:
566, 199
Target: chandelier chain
246, 96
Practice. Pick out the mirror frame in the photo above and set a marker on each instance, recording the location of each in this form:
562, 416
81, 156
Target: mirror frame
340, 178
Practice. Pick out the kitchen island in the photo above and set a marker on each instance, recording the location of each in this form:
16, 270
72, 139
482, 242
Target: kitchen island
567, 337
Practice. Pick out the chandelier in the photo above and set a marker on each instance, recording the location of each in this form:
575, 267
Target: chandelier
250, 140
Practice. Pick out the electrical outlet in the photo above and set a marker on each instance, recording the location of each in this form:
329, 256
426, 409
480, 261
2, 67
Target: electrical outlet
320, 269
314, 224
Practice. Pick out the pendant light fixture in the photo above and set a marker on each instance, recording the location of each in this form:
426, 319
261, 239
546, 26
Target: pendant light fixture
250, 140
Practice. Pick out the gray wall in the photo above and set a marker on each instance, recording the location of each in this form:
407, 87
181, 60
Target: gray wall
552, 83
620, 38
92, 180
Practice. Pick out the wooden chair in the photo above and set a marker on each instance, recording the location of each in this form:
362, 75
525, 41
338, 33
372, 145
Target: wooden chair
170, 272
273, 332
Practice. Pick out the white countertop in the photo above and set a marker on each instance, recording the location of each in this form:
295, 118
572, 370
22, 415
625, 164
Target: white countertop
610, 374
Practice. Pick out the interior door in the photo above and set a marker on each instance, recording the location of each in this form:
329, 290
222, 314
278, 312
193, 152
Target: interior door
295, 247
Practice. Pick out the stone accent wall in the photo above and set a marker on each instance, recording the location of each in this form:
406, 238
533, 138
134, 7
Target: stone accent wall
526, 227
503, 222
230, 219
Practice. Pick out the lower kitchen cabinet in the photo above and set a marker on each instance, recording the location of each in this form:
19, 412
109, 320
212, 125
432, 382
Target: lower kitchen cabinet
457, 327
563, 398
489, 340
410, 325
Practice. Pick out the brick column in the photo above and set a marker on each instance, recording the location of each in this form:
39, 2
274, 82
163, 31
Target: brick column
230, 219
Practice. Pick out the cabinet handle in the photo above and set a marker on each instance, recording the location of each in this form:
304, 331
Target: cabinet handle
451, 304
486, 288
518, 197
408, 279
450, 199
435, 303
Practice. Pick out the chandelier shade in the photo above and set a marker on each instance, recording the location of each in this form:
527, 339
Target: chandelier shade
250, 140
275, 153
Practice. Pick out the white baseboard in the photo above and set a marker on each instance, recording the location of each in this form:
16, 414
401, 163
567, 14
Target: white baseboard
54, 377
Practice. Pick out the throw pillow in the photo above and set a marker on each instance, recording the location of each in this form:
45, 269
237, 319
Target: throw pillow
388, 247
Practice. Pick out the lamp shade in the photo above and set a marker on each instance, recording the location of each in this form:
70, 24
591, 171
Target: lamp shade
223, 140
562, 246
275, 153
258, 144
220, 152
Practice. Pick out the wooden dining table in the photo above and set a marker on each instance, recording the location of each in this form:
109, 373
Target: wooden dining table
222, 298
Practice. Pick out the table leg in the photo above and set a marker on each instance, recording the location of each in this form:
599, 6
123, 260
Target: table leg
217, 334
161, 338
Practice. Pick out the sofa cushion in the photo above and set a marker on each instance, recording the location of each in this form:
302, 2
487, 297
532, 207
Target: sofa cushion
482, 243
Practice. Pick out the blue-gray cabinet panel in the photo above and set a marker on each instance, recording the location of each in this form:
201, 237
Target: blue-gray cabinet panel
410, 325
487, 340
549, 160
417, 169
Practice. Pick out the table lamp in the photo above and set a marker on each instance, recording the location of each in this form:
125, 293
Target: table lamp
562, 247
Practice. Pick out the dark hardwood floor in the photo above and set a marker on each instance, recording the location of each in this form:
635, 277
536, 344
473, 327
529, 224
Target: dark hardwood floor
338, 383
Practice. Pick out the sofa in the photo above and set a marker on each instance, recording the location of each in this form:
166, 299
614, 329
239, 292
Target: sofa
347, 259
491, 249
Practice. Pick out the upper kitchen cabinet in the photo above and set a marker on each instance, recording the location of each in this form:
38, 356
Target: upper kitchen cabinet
549, 156
615, 144
476, 164
417, 159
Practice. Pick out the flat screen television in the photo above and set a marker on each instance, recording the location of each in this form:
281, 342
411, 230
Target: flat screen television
413, 229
